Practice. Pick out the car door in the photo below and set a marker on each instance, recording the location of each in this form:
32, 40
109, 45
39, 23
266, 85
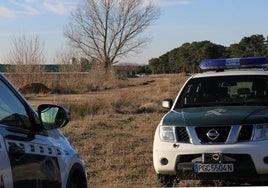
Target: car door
32, 158
5, 169
33, 163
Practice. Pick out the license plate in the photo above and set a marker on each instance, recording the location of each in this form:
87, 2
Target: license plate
198, 167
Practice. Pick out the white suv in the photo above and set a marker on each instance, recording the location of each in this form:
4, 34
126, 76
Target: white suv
217, 128
33, 151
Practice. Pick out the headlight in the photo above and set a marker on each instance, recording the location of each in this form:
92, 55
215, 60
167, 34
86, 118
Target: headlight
167, 133
261, 132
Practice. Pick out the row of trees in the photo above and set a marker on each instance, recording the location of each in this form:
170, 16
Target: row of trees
187, 57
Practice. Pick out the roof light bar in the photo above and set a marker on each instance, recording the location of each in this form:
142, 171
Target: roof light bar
234, 63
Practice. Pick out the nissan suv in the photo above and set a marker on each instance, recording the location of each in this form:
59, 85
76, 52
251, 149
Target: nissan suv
217, 127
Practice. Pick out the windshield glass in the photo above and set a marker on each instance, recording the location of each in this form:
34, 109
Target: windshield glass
224, 90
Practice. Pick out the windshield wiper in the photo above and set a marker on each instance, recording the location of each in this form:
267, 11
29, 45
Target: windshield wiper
196, 105
225, 103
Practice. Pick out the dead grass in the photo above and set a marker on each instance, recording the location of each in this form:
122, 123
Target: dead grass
74, 83
113, 129
116, 148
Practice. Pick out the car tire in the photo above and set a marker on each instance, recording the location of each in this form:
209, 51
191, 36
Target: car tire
77, 178
167, 180
259, 183
72, 184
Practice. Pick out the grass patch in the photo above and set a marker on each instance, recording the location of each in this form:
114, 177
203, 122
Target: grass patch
117, 149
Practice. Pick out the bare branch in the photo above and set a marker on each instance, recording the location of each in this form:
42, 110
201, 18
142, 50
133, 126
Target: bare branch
105, 30
27, 54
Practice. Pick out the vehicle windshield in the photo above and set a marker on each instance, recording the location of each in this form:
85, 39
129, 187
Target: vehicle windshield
224, 90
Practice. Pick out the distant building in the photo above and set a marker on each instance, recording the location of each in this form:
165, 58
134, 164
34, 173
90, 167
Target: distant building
123, 70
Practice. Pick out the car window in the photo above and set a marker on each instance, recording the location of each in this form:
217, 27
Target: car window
12, 112
225, 90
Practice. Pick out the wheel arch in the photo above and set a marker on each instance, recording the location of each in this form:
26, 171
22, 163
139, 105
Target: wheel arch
78, 176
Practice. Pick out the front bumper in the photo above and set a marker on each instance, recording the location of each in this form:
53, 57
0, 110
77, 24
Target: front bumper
243, 167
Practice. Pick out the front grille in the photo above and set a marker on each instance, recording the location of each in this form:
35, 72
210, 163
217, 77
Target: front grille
245, 133
223, 132
182, 134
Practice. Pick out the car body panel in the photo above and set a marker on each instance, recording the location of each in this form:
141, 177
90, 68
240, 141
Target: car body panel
6, 173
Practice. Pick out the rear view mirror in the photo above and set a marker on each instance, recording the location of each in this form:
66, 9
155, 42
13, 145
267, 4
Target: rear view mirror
53, 116
229, 83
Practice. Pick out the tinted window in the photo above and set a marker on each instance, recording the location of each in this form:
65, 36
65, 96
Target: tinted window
225, 90
12, 112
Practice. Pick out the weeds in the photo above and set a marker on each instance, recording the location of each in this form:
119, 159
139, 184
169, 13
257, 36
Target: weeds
117, 149
74, 83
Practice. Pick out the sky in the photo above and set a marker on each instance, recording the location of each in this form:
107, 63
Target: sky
222, 22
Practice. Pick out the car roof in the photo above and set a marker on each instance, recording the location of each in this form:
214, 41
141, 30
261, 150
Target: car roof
231, 72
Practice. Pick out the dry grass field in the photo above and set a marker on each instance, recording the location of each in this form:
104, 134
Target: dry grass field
113, 128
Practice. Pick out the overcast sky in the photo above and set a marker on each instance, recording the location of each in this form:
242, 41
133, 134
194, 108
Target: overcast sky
220, 21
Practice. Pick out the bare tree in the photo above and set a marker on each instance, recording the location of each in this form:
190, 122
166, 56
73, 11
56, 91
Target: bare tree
27, 54
26, 57
108, 29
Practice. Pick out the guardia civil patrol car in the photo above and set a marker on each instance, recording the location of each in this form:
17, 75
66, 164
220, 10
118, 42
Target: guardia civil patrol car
217, 127
33, 151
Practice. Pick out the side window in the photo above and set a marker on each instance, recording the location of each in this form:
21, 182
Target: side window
12, 112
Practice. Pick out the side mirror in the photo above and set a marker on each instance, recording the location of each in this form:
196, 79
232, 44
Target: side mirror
167, 103
53, 116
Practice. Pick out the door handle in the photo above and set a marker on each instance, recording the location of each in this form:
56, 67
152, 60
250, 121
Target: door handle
16, 150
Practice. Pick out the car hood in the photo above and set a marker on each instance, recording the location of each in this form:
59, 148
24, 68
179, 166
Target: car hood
217, 115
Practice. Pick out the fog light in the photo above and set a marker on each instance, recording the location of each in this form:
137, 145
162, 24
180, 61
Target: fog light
265, 160
164, 161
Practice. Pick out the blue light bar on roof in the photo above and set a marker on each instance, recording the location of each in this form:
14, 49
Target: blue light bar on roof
234, 63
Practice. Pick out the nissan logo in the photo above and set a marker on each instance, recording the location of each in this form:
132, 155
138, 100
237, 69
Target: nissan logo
212, 134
